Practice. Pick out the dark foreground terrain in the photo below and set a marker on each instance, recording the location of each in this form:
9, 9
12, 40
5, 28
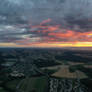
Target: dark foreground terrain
45, 70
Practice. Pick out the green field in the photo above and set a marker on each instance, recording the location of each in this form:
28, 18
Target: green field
12, 84
2, 90
34, 84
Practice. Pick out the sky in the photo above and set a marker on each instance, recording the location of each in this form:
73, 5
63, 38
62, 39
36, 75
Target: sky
45, 23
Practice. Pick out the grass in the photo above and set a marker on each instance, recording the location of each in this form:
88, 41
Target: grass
49, 71
2, 90
41, 84
12, 84
34, 84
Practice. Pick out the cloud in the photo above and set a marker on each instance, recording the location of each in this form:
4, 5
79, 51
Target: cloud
55, 33
38, 21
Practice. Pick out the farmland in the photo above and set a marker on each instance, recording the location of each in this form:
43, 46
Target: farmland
45, 70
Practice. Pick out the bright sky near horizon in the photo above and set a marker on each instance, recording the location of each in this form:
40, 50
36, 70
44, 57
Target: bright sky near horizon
45, 23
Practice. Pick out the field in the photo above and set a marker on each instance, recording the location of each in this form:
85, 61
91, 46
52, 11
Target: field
11, 85
34, 84
2, 90
64, 72
64, 68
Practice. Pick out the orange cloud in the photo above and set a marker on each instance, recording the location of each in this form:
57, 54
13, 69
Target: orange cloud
53, 36
45, 21
71, 35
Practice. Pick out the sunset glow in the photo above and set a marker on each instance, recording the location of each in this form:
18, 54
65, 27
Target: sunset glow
56, 44
36, 25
